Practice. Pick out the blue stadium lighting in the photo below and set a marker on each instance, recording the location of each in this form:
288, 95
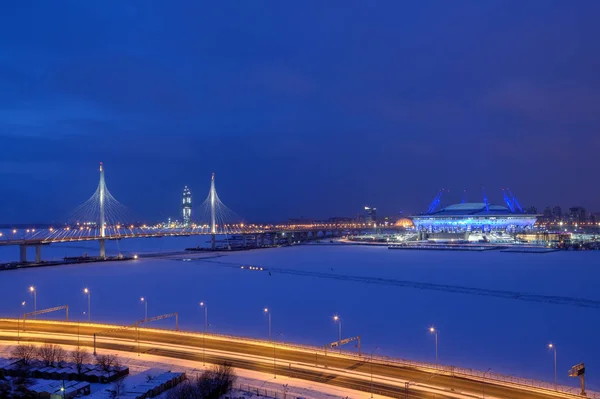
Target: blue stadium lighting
479, 216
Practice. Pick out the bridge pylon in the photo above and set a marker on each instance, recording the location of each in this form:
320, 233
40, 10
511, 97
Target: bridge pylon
213, 226
102, 189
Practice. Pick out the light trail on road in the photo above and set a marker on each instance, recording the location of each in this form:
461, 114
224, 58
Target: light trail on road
309, 363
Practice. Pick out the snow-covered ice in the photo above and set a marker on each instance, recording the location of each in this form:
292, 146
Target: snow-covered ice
510, 336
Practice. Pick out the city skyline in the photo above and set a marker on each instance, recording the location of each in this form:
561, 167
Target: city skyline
325, 116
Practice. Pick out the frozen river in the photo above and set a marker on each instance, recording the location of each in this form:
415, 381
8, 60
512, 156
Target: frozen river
508, 335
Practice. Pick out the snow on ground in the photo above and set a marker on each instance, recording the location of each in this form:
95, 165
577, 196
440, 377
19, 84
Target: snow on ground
246, 381
510, 336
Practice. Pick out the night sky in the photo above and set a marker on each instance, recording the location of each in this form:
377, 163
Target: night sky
305, 108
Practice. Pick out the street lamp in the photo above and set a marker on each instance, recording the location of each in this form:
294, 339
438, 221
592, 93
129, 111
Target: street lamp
432, 330
19, 324
145, 301
89, 295
553, 347
275, 358
483, 389
337, 319
34, 292
372, 370
268, 313
205, 306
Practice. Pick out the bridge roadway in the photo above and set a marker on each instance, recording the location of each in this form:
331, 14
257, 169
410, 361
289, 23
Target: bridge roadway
307, 363
75, 235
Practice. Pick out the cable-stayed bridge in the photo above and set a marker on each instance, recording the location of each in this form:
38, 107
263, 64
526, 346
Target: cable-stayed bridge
103, 218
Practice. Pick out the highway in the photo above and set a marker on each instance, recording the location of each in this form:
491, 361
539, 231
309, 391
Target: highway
307, 363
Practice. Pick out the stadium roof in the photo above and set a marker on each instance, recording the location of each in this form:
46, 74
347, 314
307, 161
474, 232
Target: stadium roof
472, 208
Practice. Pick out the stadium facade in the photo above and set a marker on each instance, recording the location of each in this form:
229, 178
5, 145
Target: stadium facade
476, 217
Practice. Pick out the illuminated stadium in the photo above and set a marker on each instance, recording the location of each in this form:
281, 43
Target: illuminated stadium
476, 217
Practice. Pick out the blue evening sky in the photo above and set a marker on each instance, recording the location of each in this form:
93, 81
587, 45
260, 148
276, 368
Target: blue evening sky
301, 108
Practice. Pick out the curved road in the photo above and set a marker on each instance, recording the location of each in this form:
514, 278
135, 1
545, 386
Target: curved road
299, 362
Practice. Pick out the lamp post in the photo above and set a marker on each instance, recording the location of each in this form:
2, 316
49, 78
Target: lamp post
434, 331
338, 320
372, 370
89, 295
275, 359
205, 306
483, 389
19, 324
145, 301
553, 347
34, 292
268, 313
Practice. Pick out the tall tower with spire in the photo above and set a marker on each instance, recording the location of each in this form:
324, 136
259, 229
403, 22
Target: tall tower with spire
186, 207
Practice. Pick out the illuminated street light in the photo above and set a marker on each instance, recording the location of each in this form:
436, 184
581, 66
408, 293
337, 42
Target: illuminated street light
268, 313
89, 295
145, 301
337, 319
553, 347
434, 331
34, 292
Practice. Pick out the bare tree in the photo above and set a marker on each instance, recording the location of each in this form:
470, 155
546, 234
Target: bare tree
46, 354
118, 388
222, 378
185, 390
116, 363
51, 354
60, 355
107, 362
24, 353
80, 356
212, 384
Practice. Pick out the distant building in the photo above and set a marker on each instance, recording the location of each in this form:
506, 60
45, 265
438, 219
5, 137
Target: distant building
371, 216
532, 210
557, 212
577, 214
186, 206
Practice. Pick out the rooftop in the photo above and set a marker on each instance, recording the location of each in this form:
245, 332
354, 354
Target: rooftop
471, 209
